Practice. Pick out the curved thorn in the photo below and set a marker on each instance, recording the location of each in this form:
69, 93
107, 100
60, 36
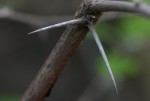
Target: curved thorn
92, 29
74, 21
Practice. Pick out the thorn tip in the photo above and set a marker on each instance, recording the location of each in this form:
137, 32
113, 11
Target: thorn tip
74, 21
101, 49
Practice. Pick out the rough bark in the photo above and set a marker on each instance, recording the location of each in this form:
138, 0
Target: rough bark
61, 54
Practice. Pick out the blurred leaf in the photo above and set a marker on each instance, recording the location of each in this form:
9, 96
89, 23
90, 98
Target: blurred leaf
9, 98
105, 33
122, 67
101, 29
136, 28
146, 1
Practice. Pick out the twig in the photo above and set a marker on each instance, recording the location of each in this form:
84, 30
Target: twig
105, 6
37, 20
123, 6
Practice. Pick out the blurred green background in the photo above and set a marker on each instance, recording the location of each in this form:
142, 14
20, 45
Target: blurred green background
125, 37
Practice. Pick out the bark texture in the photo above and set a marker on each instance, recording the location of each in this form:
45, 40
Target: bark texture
61, 54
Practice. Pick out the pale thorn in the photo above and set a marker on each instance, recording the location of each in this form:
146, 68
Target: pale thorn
74, 21
98, 42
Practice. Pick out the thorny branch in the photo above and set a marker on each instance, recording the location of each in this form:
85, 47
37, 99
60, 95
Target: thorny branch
60, 56
105, 6
39, 21
71, 39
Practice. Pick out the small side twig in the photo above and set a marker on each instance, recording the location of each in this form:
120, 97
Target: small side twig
37, 20
123, 6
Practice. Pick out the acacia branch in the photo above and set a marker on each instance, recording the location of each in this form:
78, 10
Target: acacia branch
103, 6
60, 56
70, 41
37, 20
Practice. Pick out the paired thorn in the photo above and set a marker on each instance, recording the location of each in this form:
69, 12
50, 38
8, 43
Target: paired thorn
74, 21
101, 49
92, 29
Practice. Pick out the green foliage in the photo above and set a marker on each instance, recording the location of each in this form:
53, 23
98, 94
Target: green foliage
9, 98
122, 67
133, 30
146, 1
103, 30
136, 28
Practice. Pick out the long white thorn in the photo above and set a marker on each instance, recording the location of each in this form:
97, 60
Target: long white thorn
92, 29
74, 21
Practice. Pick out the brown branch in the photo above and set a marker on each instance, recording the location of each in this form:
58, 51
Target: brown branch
60, 55
70, 41
103, 6
122, 6
37, 20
